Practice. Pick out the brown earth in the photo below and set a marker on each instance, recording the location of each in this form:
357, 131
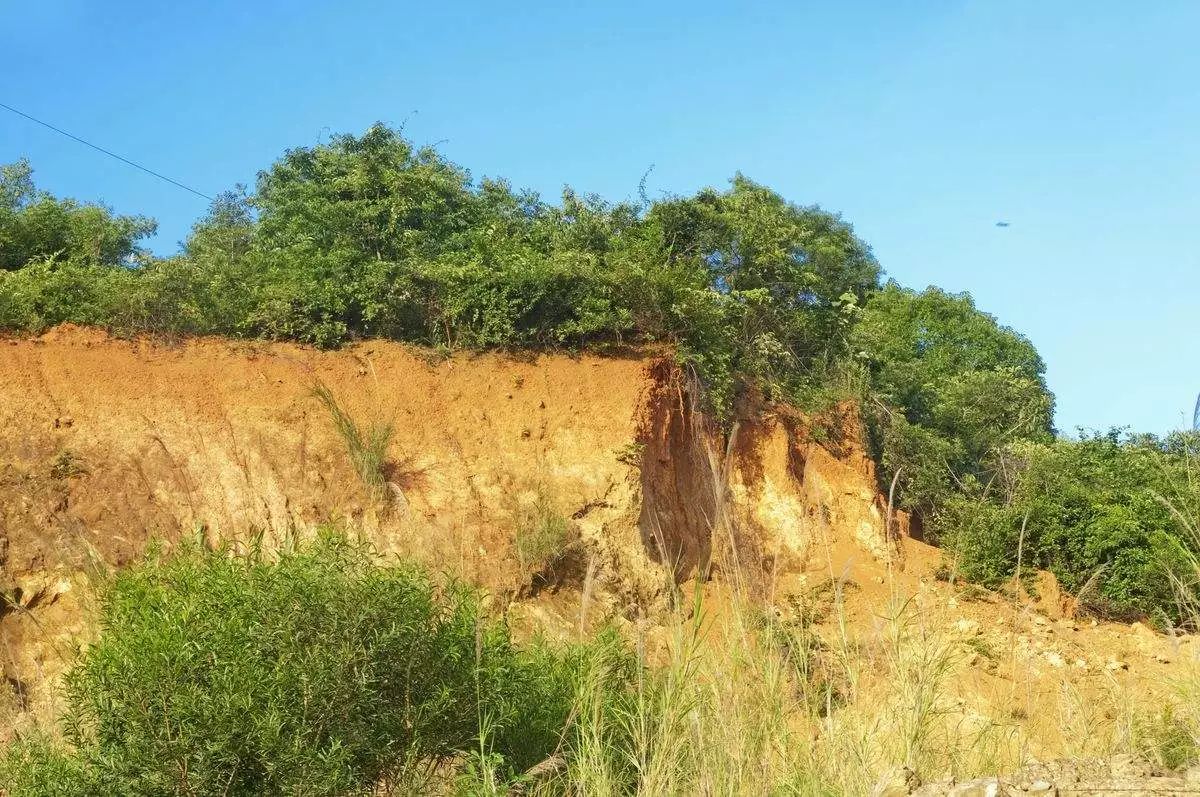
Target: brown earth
109, 444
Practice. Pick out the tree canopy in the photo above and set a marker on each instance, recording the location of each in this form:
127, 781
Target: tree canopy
953, 389
35, 225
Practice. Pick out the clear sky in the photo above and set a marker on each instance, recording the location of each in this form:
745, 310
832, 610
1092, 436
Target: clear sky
923, 123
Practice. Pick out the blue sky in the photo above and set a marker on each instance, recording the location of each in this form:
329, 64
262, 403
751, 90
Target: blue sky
923, 123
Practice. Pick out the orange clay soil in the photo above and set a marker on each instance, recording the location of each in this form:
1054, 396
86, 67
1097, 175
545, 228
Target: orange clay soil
108, 444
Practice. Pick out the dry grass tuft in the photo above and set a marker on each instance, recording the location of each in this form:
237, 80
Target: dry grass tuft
738, 699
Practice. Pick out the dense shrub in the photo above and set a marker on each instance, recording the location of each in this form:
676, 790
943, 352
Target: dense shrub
1099, 512
318, 672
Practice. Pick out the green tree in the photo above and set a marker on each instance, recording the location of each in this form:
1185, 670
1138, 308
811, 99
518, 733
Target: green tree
35, 225
953, 388
787, 280
340, 227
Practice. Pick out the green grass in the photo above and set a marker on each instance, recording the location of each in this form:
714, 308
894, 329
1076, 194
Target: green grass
366, 444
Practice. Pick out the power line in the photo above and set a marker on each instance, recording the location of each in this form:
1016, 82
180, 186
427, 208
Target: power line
106, 152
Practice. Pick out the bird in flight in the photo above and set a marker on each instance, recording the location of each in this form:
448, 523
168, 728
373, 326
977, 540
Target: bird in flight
1002, 224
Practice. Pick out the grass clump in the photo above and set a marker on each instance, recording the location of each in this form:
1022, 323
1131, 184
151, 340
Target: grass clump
1166, 738
544, 537
318, 672
367, 445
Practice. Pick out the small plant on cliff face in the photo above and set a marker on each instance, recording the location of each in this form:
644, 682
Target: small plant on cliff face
543, 537
67, 465
367, 445
631, 454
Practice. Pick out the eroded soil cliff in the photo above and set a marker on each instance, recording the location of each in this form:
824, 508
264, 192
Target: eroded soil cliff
109, 445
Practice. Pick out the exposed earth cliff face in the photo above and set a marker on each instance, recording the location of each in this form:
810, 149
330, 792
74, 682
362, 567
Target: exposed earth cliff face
110, 443
107, 445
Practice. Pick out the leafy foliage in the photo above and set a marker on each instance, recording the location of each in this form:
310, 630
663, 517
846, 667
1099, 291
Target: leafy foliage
316, 673
34, 225
1097, 512
369, 236
787, 280
954, 388
961, 412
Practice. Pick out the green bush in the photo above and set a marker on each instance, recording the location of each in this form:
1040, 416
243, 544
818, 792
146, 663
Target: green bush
318, 672
1097, 512
51, 291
